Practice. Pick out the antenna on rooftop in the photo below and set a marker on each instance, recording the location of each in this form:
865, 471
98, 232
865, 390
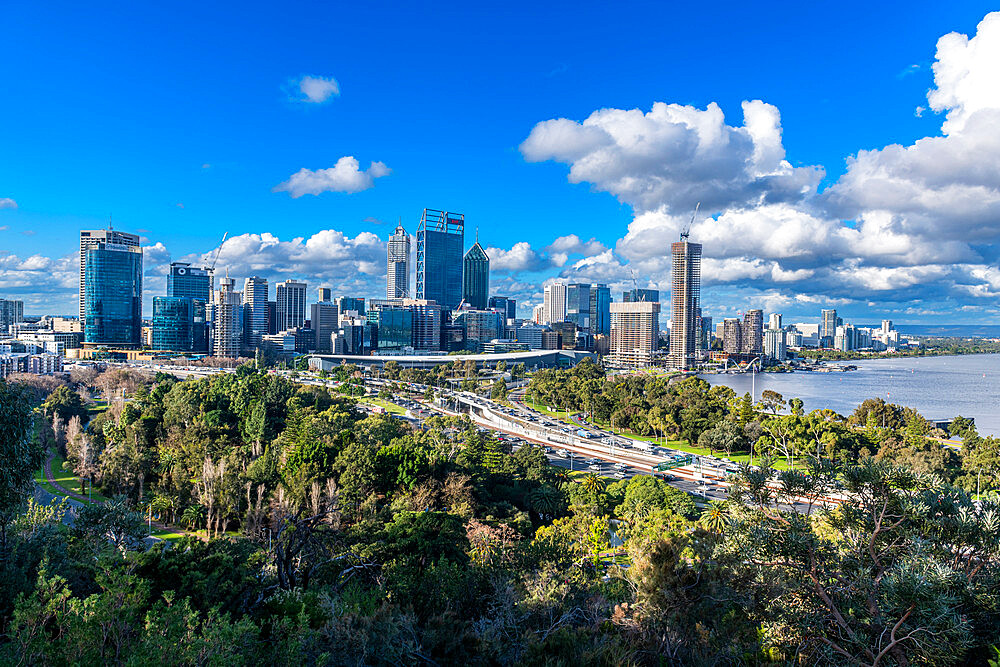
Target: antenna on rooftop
686, 232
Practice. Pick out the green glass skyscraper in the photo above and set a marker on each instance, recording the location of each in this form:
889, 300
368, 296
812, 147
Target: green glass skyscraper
440, 239
476, 277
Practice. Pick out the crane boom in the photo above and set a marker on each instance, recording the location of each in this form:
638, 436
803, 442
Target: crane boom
219, 251
686, 232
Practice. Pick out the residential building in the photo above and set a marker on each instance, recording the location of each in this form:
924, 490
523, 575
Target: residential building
753, 331
639, 294
112, 294
227, 320
11, 312
538, 314
554, 308
774, 344
793, 339
635, 332
184, 280
440, 242
397, 283
255, 313
774, 322
476, 277
685, 299
828, 324
324, 319
91, 237
291, 300
732, 336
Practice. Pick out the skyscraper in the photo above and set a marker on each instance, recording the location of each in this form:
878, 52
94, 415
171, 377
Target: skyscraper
732, 336
324, 319
753, 331
349, 303
828, 324
600, 310
685, 299
227, 321
504, 304
112, 294
324, 294
397, 282
183, 280
578, 306
440, 240
774, 321
179, 324
11, 312
291, 299
774, 344
90, 237
635, 332
476, 277
555, 303
255, 311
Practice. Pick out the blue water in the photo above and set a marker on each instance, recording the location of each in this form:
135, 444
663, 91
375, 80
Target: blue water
937, 387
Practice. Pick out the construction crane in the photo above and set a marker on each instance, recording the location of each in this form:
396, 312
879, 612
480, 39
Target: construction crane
686, 232
641, 296
219, 251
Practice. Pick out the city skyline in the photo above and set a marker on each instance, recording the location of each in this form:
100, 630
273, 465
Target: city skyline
797, 231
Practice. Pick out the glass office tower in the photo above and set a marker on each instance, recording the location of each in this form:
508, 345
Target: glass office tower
185, 280
476, 277
394, 327
600, 310
179, 324
112, 298
440, 241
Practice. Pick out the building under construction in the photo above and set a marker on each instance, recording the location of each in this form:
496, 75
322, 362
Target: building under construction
685, 298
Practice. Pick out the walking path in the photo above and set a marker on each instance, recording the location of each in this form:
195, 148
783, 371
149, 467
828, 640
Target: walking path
78, 500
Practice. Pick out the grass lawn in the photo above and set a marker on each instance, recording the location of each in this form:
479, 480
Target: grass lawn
68, 480
558, 414
167, 535
389, 407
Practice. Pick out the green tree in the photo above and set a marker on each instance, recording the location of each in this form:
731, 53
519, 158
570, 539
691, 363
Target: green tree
20, 456
65, 403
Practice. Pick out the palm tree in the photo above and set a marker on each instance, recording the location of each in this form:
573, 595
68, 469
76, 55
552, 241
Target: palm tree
716, 517
546, 501
192, 516
593, 483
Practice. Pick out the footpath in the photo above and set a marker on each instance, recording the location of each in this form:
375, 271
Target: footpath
77, 500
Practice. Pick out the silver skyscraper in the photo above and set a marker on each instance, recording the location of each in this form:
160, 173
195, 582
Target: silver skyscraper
397, 284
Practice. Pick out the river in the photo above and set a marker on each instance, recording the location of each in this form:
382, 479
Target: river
937, 387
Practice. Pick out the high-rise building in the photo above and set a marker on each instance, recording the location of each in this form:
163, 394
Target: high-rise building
440, 242
255, 291
774, 322
291, 299
11, 312
324, 320
476, 277
227, 320
828, 324
530, 335
704, 332
324, 294
753, 331
886, 326
538, 314
272, 317
397, 283
639, 294
506, 305
90, 237
184, 280
179, 324
567, 334
685, 299
635, 332
112, 294
426, 323
351, 303
774, 344
600, 310
555, 303
578, 306
732, 336
393, 325
481, 326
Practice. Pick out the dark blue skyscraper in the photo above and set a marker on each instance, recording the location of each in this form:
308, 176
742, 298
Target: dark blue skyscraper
185, 280
112, 298
476, 277
440, 241
504, 304
600, 310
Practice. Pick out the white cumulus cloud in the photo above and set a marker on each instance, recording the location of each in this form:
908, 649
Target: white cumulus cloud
7, 202
316, 89
345, 176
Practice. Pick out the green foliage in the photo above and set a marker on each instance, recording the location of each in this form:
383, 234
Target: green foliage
20, 456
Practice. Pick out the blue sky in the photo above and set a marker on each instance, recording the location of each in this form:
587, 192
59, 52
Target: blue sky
183, 121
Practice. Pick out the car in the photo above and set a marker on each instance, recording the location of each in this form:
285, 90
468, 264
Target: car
595, 466
618, 474
562, 452
592, 460
619, 466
